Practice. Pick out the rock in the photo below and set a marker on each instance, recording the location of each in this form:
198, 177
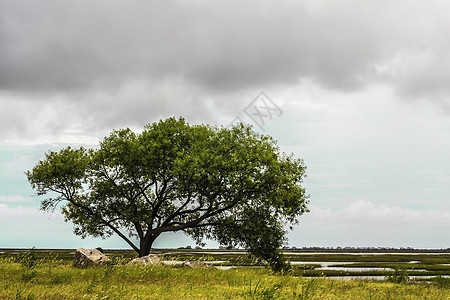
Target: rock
196, 264
149, 260
89, 257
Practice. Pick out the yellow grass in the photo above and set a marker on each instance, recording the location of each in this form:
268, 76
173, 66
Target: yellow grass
59, 280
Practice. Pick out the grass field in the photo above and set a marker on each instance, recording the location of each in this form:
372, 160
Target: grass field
50, 275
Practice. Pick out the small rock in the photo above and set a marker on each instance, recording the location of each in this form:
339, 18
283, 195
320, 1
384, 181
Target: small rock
149, 260
89, 257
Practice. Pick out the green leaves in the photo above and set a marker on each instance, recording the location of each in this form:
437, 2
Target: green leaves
63, 173
233, 185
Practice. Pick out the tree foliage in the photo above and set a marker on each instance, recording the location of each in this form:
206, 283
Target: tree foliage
228, 184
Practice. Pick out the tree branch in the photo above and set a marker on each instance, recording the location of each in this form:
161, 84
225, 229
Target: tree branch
195, 223
107, 223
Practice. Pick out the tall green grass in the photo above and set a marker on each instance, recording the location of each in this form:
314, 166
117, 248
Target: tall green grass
57, 279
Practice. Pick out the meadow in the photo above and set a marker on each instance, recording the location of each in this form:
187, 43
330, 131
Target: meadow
48, 274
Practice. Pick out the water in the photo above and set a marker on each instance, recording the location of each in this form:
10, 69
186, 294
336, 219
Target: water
381, 277
179, 262
171, 262
216, 252
225, 267
359, 269
361, 253
327, 265
322, 263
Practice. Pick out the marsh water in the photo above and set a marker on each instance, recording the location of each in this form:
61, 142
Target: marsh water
378, 264
336, 265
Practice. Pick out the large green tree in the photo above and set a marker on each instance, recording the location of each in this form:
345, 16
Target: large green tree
228, 184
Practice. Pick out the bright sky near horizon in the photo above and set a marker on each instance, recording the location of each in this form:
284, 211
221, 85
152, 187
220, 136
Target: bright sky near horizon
358, 89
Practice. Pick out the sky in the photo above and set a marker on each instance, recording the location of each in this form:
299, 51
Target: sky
360, 90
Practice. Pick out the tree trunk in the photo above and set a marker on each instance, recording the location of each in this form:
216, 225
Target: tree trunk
146, 245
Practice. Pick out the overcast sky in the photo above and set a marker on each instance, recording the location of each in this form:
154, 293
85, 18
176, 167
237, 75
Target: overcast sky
358, 89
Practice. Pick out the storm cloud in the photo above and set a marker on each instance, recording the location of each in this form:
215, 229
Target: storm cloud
223, 45
363, 87
96, 65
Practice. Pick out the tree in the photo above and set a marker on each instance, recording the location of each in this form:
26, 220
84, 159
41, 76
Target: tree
231, 185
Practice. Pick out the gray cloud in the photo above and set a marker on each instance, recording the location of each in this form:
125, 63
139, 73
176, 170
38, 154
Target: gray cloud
62, 45
112, 62
61, 117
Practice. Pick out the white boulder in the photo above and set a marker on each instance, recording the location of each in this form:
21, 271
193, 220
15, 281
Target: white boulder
85, 258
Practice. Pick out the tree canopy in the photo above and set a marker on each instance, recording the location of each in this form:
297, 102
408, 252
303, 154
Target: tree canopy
231, 185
